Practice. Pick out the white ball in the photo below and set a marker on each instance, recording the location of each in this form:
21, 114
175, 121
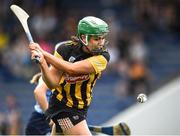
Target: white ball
141, 98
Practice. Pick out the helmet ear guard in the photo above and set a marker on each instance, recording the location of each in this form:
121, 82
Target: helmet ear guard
86, 39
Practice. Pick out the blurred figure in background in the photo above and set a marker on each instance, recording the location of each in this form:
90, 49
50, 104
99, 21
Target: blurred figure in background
133, 68
3, 124
17, 58
138, 73
13, 116
137, 48
37, 124
44, 21
115, 26
138, 78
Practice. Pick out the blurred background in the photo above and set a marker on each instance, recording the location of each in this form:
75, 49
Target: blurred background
144, 47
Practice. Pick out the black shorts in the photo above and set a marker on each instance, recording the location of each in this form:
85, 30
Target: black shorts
37, 125
67, 119
64, 117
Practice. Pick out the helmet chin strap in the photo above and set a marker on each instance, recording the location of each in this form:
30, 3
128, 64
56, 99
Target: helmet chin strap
88, 50
85, 43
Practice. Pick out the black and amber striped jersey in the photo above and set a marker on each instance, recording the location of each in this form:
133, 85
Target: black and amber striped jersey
76, 91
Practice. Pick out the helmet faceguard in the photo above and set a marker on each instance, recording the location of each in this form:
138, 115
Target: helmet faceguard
91, 26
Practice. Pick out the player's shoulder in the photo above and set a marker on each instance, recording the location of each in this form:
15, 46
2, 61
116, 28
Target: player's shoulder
64, 44
106, 55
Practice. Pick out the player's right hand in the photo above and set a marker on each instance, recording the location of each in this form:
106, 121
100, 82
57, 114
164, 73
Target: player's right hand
35, 46
37, 54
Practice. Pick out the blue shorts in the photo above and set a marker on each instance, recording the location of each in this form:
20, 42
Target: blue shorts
37, 125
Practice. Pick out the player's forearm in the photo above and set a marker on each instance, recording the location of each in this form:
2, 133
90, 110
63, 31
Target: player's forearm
60, 64
42, 101
47, 76
77, 68
43, 105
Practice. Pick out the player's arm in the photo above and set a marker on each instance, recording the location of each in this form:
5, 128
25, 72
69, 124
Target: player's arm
40, 94
50, 75
79, 67
94, 64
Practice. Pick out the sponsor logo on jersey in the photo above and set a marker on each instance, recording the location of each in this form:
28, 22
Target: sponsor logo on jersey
73, 79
